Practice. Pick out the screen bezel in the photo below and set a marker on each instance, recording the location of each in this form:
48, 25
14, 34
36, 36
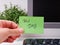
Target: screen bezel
46, 24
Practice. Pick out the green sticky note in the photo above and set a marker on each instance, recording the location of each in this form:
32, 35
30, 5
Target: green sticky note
32, 25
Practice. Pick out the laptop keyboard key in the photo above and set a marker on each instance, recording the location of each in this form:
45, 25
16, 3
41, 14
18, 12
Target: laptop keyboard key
48, 41
34, 42
27, 42
40, 41
56, 41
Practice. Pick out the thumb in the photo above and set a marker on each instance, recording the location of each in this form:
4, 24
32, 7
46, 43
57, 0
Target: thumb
15, 32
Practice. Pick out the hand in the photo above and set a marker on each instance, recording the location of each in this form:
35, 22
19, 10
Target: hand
9, 31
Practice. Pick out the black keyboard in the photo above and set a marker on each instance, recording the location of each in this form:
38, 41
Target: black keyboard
41, 42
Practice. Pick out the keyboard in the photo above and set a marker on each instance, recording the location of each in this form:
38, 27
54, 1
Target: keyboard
41, 42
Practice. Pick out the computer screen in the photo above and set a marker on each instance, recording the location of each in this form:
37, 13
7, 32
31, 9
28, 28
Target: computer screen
50, 9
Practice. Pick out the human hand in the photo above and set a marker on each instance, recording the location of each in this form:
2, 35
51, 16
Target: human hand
9, 31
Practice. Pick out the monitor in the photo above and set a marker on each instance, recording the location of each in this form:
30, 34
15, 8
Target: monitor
50, 9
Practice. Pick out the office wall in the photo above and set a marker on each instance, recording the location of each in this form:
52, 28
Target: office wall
21, 3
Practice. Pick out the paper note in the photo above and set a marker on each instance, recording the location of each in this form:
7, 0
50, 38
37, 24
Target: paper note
32, 25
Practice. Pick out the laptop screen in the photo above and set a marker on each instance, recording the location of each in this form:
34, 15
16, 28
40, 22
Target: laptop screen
50, 9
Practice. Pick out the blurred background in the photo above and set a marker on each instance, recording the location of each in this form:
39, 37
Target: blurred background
21, 3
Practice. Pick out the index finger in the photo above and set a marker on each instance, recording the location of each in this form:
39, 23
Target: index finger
8, 24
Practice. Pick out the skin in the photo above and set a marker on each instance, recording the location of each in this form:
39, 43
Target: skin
9, 31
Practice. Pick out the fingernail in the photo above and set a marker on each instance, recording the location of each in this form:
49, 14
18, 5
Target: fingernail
21, 30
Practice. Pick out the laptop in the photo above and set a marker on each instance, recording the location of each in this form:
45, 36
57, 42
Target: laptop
50, 10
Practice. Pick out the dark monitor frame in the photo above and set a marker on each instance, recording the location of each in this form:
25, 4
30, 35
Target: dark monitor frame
46, 24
